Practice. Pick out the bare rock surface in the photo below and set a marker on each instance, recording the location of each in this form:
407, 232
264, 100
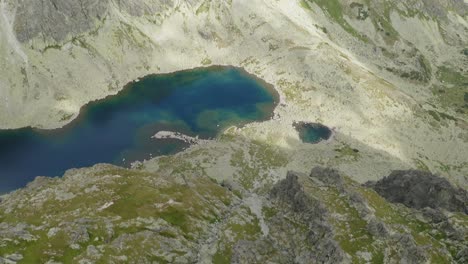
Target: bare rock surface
381, 74
323, 248
177, 214
388, 76
419, 189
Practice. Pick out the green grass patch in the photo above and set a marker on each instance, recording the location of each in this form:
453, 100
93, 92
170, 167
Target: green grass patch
451, 92
223, 256
269, 212
347, 151
305, 5
204, 7
334, 9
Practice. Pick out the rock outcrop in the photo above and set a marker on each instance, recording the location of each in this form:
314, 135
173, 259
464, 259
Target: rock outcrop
323, 248
419, 189
330, 177
56, 20
110, 214
383, 72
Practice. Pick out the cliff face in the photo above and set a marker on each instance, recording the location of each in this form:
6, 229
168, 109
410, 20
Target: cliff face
420, 189
59, 20
56, 20
109, 214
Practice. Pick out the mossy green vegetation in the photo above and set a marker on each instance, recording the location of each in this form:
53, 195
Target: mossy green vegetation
381, 20
439, 116
123, 198
352, 205
401, 218
423, 74
206, 61
347, 151
294, 91
254, 164
351, 228
304, 4
451, 76
421, 165
242, 225
143, 212
204, 7
451, 92
222, 256
335, 10
269, 212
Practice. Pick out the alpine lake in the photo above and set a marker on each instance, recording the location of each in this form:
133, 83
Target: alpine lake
119, 129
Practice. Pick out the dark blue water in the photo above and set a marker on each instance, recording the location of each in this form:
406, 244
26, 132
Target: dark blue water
119, 128
312, 132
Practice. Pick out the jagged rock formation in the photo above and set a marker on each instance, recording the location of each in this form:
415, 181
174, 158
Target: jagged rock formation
110, 214
330, 177
298, 230
420, 189
289, 193
390, 76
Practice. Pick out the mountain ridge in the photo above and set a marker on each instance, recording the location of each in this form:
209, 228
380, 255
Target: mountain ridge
389, 78
105, 210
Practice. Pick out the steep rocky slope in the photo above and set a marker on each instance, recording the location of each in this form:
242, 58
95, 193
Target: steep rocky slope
108, 214
420, 189
390, 76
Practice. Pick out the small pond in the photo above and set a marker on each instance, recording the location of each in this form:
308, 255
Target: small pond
312, 132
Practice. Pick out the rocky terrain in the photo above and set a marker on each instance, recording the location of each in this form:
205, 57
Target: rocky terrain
420, 189
107, 214
389, 77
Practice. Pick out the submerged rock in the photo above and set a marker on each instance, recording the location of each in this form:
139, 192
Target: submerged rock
419, 189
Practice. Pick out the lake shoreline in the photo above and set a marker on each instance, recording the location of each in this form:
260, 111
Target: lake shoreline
118, 129
76, 118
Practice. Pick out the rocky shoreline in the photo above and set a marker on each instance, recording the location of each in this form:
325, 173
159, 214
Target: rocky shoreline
179, 136
326, 76
389, 77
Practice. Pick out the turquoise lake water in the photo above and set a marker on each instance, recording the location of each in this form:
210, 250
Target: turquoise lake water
118, 129
312, 132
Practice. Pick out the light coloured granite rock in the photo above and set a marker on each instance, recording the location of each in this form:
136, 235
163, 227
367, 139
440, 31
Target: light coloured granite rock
322, 72
380, 93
